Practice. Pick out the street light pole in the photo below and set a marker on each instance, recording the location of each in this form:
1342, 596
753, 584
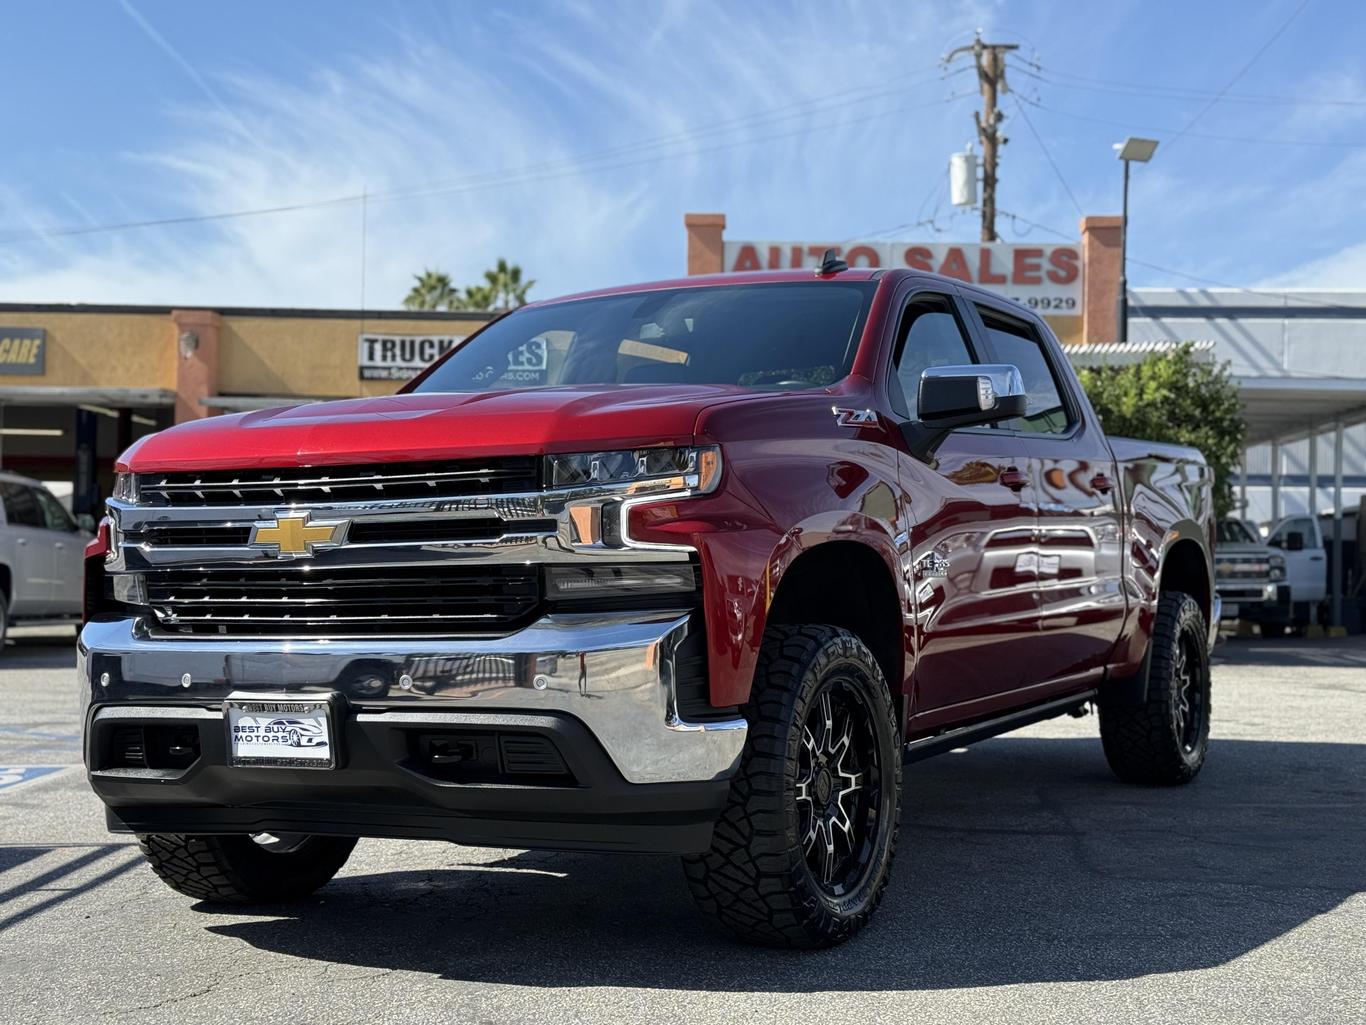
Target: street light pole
1123, 298
1130, 149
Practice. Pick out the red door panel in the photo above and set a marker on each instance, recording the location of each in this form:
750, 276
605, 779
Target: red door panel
972, 567
1082, 607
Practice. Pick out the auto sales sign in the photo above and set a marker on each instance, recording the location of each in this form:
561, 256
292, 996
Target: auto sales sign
1046, 278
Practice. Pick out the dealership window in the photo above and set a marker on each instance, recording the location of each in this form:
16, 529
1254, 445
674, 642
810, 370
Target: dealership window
1015, 342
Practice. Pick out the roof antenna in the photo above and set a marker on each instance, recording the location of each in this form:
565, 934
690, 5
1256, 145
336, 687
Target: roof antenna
830, 264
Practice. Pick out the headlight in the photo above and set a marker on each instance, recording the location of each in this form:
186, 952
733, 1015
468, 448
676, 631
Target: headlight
126, 487
641, 469
1277, 567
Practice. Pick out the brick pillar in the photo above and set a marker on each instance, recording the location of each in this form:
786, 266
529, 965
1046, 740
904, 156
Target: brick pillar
705, 252
1100, 272
196, 361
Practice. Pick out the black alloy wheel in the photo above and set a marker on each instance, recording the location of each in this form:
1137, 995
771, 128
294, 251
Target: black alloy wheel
838, 791
802, 853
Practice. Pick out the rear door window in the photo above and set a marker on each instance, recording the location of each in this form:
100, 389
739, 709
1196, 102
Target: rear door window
1016, 342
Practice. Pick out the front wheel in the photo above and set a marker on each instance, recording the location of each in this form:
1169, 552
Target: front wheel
803, 851
1164, 739
262, 868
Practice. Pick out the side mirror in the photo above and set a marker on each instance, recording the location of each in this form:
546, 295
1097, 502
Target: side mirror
963, 396
1294, 541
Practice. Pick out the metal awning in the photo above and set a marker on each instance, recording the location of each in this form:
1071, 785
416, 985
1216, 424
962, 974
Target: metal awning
241, 403
1287, 408
64, 395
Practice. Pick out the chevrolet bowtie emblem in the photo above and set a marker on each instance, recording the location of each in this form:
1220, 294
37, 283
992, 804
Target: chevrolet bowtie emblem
295, 536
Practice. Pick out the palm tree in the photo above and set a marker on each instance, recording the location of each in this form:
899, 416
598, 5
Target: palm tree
508, 288
433, 291
475, 297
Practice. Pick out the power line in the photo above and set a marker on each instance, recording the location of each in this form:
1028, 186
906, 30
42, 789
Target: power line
545, 170
1212, 136
1019, 107
1199, 279
1239, 74
1152, 90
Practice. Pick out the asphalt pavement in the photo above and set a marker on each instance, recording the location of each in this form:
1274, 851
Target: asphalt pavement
1029, 887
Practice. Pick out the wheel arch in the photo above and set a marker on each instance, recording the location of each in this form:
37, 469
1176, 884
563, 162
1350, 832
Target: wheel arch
848, 584
1185, 567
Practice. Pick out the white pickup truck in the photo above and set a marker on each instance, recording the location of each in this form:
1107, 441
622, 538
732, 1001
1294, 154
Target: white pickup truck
42, 551
1302, 541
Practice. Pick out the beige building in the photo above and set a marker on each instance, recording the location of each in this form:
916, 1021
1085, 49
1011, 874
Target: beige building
79, 383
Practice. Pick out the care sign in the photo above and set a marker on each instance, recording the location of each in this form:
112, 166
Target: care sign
400, 357
1046, 278
23, 350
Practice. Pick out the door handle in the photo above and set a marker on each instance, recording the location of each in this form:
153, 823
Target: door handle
21, 542
1102, 483
1012, 478
58, 544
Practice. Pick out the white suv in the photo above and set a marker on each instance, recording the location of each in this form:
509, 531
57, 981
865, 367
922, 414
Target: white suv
41, 556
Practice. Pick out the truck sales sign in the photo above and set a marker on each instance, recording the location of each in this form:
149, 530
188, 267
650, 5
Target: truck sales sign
1046, 278
400, 357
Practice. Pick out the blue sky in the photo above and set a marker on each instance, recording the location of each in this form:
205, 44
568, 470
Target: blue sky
572, 137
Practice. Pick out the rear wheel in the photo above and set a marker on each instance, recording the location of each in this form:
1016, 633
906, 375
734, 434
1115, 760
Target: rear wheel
262, 868
1164, 739
1273, 630
803, 851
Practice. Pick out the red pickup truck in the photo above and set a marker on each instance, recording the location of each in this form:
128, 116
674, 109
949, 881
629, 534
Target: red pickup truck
690, 567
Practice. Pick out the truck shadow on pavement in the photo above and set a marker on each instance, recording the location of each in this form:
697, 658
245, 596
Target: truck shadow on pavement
1021, 861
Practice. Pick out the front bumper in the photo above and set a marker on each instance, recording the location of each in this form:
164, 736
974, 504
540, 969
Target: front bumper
1262, 603
602, 690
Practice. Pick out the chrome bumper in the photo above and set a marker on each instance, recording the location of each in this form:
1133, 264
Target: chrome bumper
614, 673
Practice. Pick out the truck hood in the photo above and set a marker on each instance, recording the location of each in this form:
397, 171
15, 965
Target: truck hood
434, 425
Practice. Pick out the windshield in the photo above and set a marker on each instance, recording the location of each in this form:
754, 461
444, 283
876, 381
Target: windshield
1232, 532
778, 336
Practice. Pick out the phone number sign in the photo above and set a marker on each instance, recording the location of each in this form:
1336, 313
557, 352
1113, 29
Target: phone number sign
1046, 278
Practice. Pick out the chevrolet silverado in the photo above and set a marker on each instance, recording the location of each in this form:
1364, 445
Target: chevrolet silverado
692, 567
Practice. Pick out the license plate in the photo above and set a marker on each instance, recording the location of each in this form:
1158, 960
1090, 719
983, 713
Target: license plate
291, 732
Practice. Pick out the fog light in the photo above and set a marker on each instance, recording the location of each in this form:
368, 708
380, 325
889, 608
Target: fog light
586, 583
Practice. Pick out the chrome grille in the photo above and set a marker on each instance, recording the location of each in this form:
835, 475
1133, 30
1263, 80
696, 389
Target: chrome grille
330, 484
313, 601
371, 530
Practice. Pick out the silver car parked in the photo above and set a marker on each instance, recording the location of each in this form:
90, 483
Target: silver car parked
41, 553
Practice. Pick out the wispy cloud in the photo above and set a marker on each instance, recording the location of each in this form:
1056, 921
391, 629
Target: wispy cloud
442, 95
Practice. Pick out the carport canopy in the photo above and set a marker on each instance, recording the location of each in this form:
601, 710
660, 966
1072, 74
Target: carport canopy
62, 395
1286, 408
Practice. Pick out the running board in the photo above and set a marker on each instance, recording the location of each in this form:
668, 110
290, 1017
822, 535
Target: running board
927, 747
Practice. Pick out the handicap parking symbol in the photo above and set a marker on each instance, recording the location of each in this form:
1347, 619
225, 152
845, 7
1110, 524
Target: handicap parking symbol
13, 775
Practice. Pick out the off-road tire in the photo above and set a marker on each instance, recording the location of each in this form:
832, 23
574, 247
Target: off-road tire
238, 870
1150, 742
4, 621
755, 881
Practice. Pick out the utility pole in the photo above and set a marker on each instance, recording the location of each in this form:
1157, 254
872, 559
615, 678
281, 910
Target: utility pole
991, 76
